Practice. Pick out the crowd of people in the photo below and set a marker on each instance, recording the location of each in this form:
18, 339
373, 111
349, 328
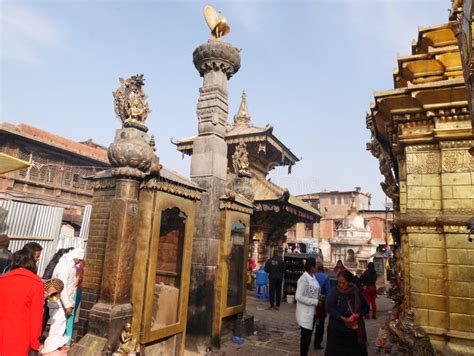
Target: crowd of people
28, 302
347, 304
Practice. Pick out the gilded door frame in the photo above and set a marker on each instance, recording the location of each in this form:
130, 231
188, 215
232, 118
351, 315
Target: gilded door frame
221, 309
152, 204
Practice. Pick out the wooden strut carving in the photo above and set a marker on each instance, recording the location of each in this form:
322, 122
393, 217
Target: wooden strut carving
389, 185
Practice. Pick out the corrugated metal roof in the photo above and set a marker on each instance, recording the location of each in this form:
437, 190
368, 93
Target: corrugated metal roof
31, 222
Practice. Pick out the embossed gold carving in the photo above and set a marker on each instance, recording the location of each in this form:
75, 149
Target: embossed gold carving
456, 161
172, 188
240, 160
426, 162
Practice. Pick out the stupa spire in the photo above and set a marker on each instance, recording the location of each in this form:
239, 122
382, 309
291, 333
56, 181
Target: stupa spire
243, 115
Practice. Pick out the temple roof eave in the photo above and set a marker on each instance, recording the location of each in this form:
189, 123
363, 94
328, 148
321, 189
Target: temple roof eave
419, 98
256, 135
165, 175
270, 195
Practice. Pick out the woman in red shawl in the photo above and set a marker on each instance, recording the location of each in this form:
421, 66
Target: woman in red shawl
339, 267
21, 307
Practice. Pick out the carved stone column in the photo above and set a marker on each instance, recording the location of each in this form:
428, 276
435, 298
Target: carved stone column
216, 62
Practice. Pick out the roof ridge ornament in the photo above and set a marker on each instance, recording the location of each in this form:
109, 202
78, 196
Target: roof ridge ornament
243, 115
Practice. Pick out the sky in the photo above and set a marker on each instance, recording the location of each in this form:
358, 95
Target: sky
308, 67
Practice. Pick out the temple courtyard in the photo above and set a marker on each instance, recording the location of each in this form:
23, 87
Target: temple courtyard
278, 334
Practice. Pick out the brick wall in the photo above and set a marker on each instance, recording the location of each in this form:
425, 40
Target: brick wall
101, 201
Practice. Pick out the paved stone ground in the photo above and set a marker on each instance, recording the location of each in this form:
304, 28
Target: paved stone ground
278, 334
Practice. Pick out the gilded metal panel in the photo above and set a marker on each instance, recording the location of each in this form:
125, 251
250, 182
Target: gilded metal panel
228, 218
152, 204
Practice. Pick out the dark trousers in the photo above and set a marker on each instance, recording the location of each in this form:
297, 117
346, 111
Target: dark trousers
319, 331
305, 341
275, 288
45, 317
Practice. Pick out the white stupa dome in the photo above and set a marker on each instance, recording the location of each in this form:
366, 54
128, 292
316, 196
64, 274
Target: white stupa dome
354, 221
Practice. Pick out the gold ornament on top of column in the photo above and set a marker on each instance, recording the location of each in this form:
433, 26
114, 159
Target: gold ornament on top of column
216, 22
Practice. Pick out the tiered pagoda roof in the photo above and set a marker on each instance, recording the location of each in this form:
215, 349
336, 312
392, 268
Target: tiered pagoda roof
265, 152
428, 104
429, 85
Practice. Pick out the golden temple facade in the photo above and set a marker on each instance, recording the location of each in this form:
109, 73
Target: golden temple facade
421, 134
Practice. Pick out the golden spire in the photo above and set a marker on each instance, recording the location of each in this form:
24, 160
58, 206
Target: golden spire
243, 115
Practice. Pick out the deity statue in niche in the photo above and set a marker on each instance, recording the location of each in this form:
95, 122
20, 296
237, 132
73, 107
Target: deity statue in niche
240, 160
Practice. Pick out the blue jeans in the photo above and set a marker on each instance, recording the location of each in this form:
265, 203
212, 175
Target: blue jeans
70, 320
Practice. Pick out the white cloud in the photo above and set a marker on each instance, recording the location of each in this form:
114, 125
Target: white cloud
24, 32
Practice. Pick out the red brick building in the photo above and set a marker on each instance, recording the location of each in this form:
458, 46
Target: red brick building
57, 171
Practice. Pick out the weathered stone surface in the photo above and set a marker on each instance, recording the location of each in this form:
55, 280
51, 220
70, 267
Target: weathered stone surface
107, 320
201, 299
88, 299
216, 61
164, 347
209, 156
217, 56
117, 274
165, 306
90, 345
131, 153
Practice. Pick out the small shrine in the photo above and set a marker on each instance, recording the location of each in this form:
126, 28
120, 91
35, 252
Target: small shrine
352, 244
138, 258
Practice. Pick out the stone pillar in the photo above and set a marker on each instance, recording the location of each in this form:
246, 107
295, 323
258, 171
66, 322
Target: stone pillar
216, 62
104, 191
132, 158
113, 310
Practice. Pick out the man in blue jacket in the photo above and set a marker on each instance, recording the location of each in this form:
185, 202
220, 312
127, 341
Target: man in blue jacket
325, 285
